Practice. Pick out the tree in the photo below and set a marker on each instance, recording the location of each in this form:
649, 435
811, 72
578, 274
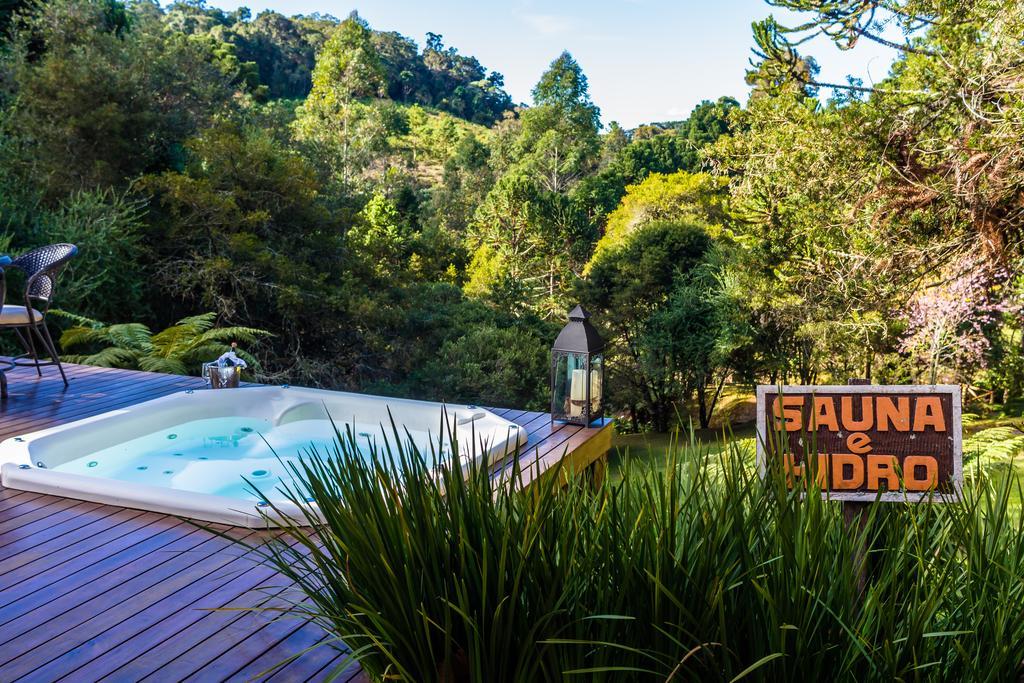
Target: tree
707, 122
107, 278
666, 148
530, 237
947, 128
460, 84
490, 365
849, 207
692, 331
506, 242
117, 89
407, 77
950, 322
282, 54
334, 118
241, 231
382, 239
559, 138
9, 9
466, 180
676, 197
564, 86
656, 298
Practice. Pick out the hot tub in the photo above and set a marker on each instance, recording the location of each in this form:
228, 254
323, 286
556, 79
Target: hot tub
189, 453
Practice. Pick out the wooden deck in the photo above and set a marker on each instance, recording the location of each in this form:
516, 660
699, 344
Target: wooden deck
92, 592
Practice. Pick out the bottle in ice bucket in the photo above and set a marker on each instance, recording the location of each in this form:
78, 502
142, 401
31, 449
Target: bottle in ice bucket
225, 372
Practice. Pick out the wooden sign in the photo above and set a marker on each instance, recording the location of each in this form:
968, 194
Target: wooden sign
889, 443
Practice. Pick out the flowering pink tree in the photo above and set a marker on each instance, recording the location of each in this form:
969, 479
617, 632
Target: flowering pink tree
947, 321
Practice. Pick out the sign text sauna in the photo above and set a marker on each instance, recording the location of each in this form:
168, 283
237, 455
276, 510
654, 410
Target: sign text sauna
863, 442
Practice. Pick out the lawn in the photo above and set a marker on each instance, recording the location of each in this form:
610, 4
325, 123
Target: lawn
653, 448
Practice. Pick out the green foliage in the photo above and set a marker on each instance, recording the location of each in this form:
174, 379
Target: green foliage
558, 141
347, 67
531, 236
324, 180
679, 148
440, 77
122, 99
9, 10
245, 213
282, 50
677, 197
106, 279
707, 122
180, 349
407, 331
850, 211
466, 179
695, 571
493, 366
657, 297
340, 119
663, 148
382, 239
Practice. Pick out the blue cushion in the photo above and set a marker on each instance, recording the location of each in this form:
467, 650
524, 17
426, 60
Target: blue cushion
5, 260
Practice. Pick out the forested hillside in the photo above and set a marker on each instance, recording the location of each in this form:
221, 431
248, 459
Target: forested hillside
399, 225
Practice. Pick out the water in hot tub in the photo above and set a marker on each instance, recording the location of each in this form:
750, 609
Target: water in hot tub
217, 455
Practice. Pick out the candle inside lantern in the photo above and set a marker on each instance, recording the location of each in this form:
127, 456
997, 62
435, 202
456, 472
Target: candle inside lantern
595, 390
577, 391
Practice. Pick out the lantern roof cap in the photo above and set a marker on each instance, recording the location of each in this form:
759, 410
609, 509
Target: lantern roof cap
579, 335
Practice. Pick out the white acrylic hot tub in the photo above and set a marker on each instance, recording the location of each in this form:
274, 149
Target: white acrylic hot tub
186, 454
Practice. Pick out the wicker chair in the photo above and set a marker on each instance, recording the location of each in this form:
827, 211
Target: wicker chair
41, 267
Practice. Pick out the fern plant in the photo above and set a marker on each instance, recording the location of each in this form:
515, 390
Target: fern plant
180, 349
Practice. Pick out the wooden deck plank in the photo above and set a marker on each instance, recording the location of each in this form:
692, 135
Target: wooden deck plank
7, 494
19, 505
38, 609
267, 663
323, 658
30, 395
544, 435
77, 532
234, 628
258, 635
44, 520
73, 553
192, 623
177, 611
86, 387
350, 671
153, 649
94, 580
173, 653
23, 423
96, 592
79, 626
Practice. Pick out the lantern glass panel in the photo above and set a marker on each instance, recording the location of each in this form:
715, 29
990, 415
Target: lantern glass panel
596, 385
569, 397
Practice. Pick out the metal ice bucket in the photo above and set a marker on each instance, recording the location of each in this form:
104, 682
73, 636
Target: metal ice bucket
221, 378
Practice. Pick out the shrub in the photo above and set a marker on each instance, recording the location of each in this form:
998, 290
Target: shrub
107, 279
700, 571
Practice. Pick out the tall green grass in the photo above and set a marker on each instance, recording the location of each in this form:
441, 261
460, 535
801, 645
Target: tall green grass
698, 571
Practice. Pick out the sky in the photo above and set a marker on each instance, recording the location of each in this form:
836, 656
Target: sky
646, 60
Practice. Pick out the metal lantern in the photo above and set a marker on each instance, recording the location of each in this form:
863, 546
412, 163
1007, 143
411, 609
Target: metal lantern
577, 372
